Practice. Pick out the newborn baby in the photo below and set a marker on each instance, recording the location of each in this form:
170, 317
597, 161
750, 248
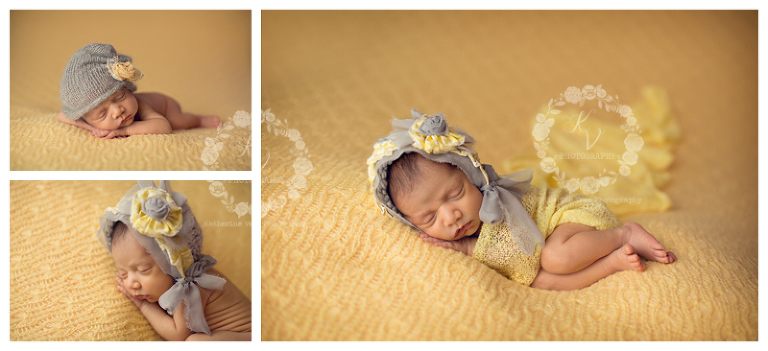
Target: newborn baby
156, 243
140, 279
428, 175
97, 94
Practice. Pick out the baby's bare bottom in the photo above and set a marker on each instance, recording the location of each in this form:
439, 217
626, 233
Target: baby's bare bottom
171, 109
220, 335
181, 120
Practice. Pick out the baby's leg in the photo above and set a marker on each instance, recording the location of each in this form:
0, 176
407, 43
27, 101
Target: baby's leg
181, 120
220, 335
572, 246
621, 259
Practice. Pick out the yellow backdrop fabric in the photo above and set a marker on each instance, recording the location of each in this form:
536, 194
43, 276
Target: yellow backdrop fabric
334, 268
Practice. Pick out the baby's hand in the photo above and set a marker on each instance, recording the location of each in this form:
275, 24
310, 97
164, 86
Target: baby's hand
136, 302
106, 134
464, 245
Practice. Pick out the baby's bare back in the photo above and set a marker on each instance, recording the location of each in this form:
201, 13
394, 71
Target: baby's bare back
227, 309
158, 102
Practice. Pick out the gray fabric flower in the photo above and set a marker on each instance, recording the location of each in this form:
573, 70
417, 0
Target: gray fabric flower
435, 125
156, 208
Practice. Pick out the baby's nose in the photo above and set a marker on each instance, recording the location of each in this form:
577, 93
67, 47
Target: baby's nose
118, 111
456, 214
452, 216
136, 285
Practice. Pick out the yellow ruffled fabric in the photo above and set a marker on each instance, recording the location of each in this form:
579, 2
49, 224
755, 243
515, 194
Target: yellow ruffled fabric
125, 71
434, 143
638, 191
380, 150
152, 227
549, 207
163, 231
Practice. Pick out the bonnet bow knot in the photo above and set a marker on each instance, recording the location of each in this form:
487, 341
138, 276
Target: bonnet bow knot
186, 290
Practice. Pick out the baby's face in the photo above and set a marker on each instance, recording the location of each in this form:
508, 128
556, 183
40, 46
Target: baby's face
141, 275
444, 204
118, 110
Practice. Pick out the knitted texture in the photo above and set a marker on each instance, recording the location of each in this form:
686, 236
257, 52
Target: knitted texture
94, 73
175, 229
334, 268
549, 208
62, 280
39, 142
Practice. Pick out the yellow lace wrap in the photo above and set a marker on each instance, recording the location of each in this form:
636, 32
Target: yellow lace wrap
549, 208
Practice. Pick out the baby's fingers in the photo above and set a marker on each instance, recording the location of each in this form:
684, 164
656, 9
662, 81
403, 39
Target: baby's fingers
429, 239
439, 243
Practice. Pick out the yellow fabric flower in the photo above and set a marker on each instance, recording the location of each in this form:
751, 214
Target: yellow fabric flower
155, 214
125, 71
434, 143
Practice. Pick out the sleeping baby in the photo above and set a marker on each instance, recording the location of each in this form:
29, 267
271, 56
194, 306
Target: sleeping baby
428, 176
98, 95
155, 242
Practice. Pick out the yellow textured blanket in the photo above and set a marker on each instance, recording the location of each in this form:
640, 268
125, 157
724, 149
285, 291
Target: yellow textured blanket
62, 279
334, 268
202, 59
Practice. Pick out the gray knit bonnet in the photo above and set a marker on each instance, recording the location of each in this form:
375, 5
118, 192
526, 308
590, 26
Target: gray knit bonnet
163, 223
95, 72
430, 136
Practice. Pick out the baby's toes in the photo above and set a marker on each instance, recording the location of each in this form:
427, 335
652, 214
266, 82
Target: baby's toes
635, 263
672, 257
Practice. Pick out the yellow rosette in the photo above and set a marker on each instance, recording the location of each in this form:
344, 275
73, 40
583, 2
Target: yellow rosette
438, 142
155, 214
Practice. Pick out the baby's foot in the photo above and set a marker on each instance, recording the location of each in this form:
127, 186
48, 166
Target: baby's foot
625, 258
209, 121
646, 245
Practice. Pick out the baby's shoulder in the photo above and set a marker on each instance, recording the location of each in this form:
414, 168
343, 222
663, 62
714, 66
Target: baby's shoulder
227, 296
154, 100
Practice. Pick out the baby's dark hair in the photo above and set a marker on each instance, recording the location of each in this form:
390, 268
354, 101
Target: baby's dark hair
119, 231
405, 171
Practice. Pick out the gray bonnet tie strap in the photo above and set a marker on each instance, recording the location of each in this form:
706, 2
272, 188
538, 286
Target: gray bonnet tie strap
186, 290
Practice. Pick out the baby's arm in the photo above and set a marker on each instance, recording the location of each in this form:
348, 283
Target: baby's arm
464, 245
171, 328
77, 123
